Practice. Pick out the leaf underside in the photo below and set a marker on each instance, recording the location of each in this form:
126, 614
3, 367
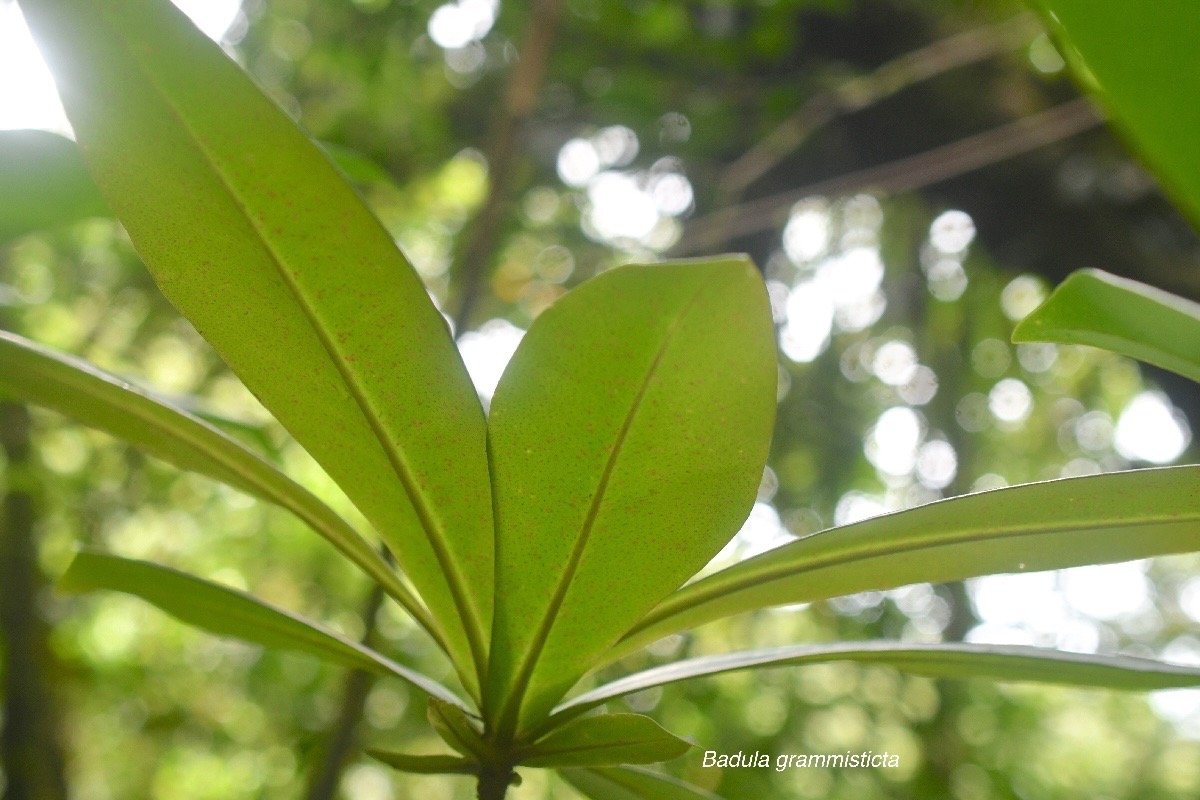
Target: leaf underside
70, 386
45, 184
255, 237
994, 662
451, 723
426, 764
229, 612
1094, 308
627, 440
607, 740
631, 783
1143, 64
1095, 519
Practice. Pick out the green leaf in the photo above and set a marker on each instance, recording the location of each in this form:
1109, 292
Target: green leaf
456, 729
256, 238
631, 783
426, 765
43, 184
1101, 310
627, 439
1095, 519
607, 740
994, 662
355, 166
228, 612
1142, 63
34, 374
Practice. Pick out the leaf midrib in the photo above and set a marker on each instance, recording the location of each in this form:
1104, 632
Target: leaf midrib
473, 627
912, 653
783, 572
244, 469
510, 712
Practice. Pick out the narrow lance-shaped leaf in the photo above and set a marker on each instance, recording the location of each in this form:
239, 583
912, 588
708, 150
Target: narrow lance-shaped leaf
426, 765
34, 374
1094, 308
229, 612
631, 783
994, 662
1065, 523
254, 236
1143, 64
627, 439
456, 729
607, 740
43, 184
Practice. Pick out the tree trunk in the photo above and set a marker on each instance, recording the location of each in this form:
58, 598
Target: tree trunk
31, 755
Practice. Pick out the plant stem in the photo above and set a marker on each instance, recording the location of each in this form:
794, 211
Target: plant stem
324, 779
494, 783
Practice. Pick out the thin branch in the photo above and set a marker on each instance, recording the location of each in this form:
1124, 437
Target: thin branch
478, 250
970, 47
903, 175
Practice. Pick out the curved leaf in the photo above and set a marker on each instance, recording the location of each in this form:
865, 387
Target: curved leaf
627, 440
71, 386
631, 783
43, 184
255, 237
1143, 64
607, 740
995, 662
426, 765
1037, 526
228, 612
451, 723
1094, 308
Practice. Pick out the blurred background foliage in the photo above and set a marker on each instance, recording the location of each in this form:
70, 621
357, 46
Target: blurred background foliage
911, 176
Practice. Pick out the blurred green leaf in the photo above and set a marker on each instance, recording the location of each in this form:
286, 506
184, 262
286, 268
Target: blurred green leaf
253, 234
426, 765
228, 612
631, 783
355, 166
1143, 64
43, 184
456, 729
1094, 308
71, 386
606, 740
627, 437
1037, 526
994, 662
249, 433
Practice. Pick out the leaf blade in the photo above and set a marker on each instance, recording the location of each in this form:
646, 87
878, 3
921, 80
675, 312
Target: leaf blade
229, 612
1050, 525
256, 238
75, 388
1145, 69
607, 420
426, 765
996, 662
1095, 308
451, 723
606, 740
44, 184
631, 783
